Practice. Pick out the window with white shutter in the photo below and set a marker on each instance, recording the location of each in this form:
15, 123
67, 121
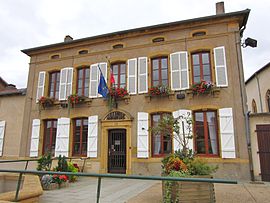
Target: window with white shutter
92, 142
184, 70
65, 88
62, 137
175, 71
2, 135
220, 67
227, 133
93, 86
142, 135
40, 85
35, 138
132, 76
185, 129
142, 75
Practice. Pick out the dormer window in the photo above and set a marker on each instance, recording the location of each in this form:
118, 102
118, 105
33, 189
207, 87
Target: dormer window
83, 52
118, 46
56, 56
158, 39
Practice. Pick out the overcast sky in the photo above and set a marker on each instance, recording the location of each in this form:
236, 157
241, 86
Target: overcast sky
31, 23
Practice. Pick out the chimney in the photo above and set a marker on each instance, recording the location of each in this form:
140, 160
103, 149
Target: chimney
68, 38
220, 8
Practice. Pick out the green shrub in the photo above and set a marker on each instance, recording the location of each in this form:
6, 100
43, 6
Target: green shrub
44, 162
62, 164
200, 167
73, 169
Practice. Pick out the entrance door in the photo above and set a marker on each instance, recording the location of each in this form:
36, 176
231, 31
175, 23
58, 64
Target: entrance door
117, 151
263, 136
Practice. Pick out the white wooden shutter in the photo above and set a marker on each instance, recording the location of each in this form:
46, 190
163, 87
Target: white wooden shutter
142, 75
183, 131
92, 141
93, 86
63, 86
179, 71
62, 137
175, 71
220, 67
227, 133
184, 70
142, 135
40, 85
103, 68
132, 76
2, 135
35, 138
69, 81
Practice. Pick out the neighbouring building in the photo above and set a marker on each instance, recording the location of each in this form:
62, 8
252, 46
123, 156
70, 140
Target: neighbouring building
258, 99
173, 56
12, 101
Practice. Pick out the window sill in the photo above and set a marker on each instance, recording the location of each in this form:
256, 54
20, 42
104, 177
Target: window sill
149, 97
214, 92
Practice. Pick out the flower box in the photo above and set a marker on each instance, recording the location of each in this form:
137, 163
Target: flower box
45, 102
182, 191
203, 87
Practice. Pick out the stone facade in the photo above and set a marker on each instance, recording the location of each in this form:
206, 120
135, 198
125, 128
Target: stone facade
190, 36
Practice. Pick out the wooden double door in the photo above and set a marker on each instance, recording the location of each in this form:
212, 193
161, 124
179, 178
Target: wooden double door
117, 151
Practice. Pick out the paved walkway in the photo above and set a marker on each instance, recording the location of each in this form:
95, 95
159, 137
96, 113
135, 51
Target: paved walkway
84, 190
138, 191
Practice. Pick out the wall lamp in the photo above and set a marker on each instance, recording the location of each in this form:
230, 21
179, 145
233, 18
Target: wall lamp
249, 42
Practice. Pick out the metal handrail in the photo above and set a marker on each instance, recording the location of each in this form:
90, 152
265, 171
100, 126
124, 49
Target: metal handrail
99, 176
36, 159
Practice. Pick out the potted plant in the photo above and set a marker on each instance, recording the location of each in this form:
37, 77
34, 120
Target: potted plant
115, 94
45, 102
160, 90
183, 163
203, 87
75, 99
61, 180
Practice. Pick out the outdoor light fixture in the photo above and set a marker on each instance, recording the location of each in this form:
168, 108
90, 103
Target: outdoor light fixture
250, 42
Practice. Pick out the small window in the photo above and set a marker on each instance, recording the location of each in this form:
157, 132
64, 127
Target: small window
118, 46
254, 106
56, 56
198, 34
158, 39
83, 52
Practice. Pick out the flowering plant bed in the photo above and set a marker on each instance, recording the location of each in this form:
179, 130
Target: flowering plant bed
203, 87
75, 99
118, 92
45, 102
159, 90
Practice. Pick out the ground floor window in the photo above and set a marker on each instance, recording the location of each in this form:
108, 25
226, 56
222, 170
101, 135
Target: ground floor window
205, 133
161, 144
80, 137
49, 137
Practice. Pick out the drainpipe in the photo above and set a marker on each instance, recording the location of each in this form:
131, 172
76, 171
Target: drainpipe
259, 90
244, 100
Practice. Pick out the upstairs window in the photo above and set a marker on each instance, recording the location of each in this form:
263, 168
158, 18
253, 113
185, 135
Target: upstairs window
161, 144
254, 106
83, 52
56, 56
118, 46
201, 67
54, 85
83, 77
119, 73
160, 71
205, 128
158, 39
49, 137
80, 137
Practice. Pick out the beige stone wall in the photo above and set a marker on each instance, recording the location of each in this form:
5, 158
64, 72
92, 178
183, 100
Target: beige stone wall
11, 111
257, 88
177, 38
257, 119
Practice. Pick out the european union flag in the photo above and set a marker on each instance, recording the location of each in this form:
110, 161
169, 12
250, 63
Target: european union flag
102, 86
